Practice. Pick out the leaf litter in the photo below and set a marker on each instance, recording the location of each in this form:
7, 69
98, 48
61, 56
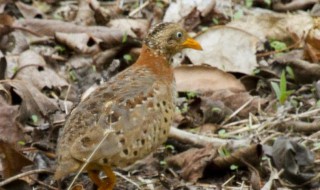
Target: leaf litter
247, 107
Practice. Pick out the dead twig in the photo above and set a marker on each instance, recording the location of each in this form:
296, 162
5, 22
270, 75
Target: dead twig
13, 178
299, 126
237, 111
132, 13
44, 184
201, 140
127, 179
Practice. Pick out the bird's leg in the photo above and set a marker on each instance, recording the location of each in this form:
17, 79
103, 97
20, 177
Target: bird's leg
106, 184
111, 180
94, 176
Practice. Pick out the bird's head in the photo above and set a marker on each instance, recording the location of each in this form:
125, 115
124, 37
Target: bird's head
168, 39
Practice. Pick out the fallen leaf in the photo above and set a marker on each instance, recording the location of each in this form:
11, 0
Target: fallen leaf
246, 156
235, 99
79, 42
292, 5
312, 47
193, 162
266, 24
226, 48
85, 15
12, 161
10, 136
10, 127
204, 78
32, 100
296, 160
33, 70
29, 11
111, 37
132, 27
302, 69
188, 12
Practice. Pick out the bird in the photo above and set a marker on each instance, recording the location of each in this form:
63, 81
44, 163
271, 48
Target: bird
127, 117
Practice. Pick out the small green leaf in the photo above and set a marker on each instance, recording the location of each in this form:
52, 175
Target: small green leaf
94, 68
256, 71
15, 69
191, 95
21, 143
177, 110
163, 163
34, 118
290, 72
127, 57
222, 133
204, 28
234, 167
283, 88
318, 103
276, 89
73, 75
223, 152
281, 91
60, 48
215, 21
316, 145
216, 110
249, 3
169, 147
268, 2
185, 108
124, 37
237, 15
278, 46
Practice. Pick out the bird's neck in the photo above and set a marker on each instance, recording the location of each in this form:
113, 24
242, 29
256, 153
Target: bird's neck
158, 64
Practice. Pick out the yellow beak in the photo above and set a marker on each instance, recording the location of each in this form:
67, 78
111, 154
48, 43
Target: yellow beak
191, 43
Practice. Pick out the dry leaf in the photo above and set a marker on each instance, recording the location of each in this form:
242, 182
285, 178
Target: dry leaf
85, 16
10, 136
292, 5
312, 47
10, 128
180, 10
246, 156
29, 11
50, 27
79, 42
32, 100
296, 160
234, 99
304, 71
11, 160
204, 78
193, 162
266, 24
5, 24
226, 48
33, 70
132, 27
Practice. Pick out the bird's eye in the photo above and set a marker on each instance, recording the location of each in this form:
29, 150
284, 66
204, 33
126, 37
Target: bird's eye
179, 34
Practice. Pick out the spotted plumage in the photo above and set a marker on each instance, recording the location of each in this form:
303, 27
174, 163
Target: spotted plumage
127, 117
